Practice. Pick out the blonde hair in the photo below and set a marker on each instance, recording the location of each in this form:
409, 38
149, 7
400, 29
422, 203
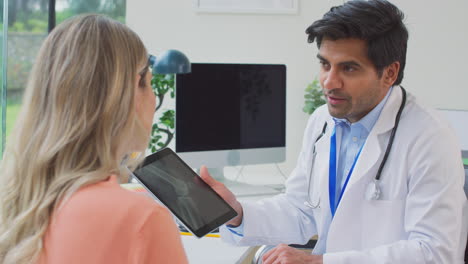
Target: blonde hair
76, 122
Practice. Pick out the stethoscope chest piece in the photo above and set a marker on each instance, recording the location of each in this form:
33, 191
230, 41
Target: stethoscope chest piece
373, 190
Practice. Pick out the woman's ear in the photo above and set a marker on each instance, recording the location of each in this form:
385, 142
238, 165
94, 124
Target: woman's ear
138, 94
390, 73
137, 80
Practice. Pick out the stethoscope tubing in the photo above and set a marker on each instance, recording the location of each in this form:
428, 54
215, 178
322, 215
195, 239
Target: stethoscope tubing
376, 193
392, 135
314, 153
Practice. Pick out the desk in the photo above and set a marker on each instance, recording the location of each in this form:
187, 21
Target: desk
208, 250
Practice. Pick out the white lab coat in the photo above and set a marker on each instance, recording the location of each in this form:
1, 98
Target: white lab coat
421, 216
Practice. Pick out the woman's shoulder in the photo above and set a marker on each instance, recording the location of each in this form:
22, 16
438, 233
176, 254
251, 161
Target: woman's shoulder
108, 217
107, 200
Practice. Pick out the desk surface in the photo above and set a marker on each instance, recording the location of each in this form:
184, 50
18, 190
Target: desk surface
208, 250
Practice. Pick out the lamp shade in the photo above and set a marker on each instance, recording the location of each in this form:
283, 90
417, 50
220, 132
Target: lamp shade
172, 61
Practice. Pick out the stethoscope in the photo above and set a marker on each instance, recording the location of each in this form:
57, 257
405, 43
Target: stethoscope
373, 190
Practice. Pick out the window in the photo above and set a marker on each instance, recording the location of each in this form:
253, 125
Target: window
2, 86
27, 29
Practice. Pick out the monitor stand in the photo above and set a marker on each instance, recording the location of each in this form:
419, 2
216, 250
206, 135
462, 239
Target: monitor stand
241, 189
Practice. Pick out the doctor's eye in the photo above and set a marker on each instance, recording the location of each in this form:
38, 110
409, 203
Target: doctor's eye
349, 68
324, 65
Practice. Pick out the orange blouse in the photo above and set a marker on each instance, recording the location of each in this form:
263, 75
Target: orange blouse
104, 223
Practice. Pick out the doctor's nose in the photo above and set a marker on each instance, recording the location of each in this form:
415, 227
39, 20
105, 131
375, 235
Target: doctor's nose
331, 80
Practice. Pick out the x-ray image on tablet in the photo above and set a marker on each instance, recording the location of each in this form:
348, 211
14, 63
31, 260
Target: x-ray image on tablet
183, 192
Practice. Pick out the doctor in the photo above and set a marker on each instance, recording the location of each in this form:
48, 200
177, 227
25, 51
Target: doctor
380, 177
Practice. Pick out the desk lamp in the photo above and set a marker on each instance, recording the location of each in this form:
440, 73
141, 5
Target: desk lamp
170, 62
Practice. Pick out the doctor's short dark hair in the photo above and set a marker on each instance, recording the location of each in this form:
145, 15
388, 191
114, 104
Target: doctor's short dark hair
378, 22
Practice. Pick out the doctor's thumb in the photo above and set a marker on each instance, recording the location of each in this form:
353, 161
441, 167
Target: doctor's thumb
205, 175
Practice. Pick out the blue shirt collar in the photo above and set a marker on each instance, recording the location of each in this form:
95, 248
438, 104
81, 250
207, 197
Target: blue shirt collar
369, 120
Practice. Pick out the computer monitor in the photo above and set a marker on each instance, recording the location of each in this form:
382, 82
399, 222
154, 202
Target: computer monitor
231, 114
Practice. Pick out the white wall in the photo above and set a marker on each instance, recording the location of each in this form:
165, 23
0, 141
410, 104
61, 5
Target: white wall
438, 51
455, 118
436, 65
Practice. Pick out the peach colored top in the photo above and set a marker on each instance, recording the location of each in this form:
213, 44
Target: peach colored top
104, 223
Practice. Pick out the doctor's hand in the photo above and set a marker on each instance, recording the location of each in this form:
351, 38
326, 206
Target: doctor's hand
284, 254
225, 193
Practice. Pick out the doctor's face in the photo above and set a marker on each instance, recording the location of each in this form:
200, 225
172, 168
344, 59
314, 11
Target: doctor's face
350, 82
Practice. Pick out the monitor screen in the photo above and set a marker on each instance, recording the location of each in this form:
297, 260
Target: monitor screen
230, 107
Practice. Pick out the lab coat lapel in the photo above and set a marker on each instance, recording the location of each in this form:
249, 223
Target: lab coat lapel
375, 144
370, 155
322, 163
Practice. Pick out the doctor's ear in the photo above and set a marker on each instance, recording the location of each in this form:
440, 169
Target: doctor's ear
390, 73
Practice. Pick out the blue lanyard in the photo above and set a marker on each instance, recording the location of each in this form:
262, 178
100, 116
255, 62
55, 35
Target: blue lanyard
332, 174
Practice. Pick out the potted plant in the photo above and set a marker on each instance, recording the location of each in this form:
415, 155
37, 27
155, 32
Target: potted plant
163, 130
313, 97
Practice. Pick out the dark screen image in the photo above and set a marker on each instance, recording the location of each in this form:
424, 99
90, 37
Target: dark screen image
182, 191
230, 106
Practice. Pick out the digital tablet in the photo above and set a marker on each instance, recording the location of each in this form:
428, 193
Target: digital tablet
170, 180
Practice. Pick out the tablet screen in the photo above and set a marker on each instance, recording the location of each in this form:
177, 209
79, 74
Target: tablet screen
186, 195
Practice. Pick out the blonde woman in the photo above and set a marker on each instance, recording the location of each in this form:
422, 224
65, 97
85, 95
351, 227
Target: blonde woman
88, 104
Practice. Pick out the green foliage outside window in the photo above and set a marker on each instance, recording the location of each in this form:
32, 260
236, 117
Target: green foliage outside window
32, 15
27, 28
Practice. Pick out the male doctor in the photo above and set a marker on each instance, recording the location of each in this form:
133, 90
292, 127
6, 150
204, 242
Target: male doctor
413, 210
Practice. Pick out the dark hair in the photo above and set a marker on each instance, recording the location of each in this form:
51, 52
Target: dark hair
378, 22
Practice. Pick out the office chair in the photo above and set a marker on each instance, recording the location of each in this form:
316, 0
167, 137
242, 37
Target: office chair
466, 251
465, 154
